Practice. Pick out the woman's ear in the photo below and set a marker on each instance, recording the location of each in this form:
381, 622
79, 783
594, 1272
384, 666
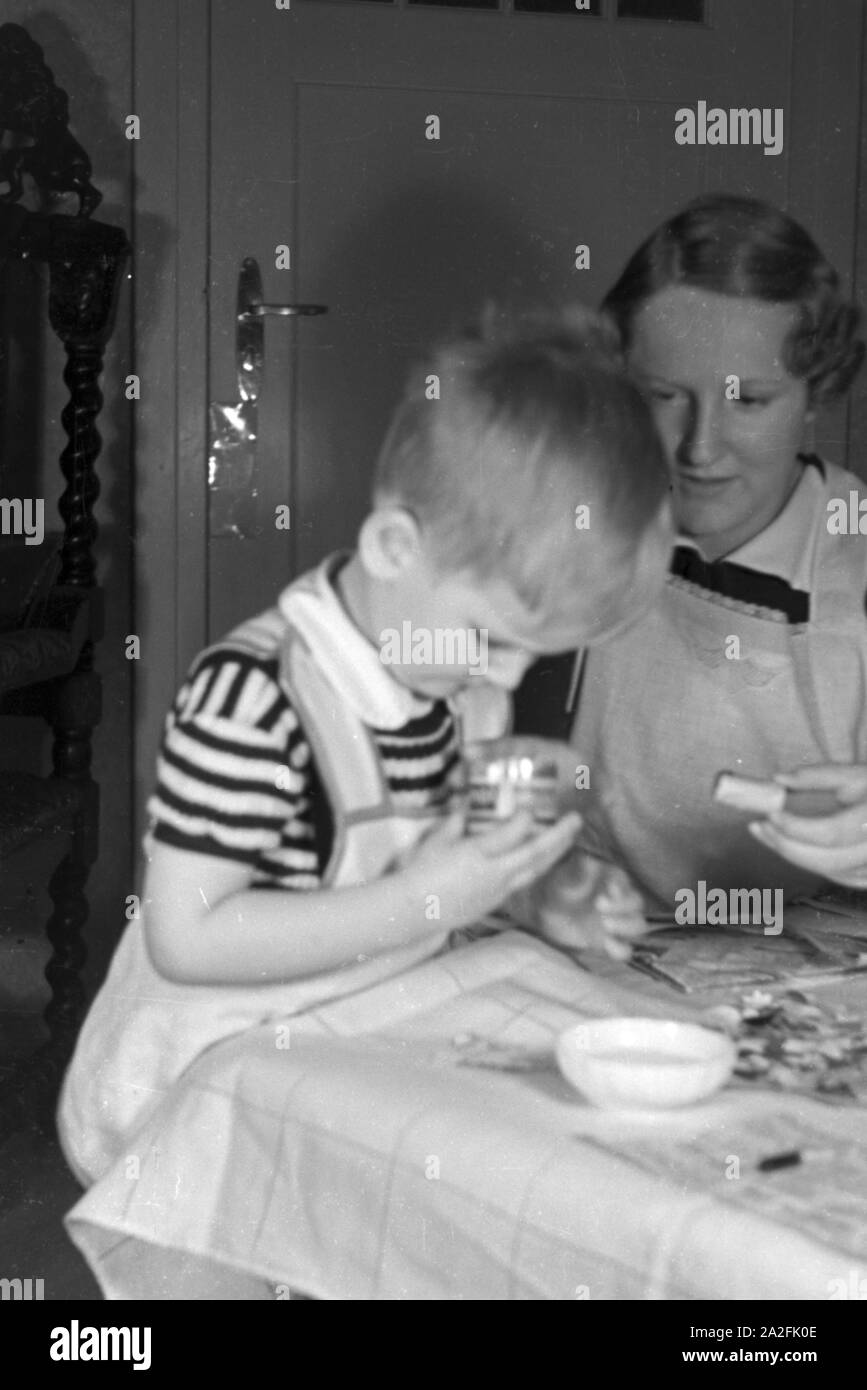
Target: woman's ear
389, 542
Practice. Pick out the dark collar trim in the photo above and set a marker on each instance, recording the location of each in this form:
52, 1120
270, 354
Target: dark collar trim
741, 584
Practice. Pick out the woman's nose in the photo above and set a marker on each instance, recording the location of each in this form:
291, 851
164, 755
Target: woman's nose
702, 440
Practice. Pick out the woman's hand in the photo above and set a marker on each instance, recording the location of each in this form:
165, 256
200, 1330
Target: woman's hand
471, 875
834, 845
585, 903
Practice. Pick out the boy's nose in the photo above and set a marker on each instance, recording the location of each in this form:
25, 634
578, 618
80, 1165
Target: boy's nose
507, 669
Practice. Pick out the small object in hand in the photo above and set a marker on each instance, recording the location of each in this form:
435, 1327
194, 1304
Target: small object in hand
756, 797
749, 794
509, 775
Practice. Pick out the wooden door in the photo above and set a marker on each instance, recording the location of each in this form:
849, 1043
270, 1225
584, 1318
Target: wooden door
418, 159
307, 127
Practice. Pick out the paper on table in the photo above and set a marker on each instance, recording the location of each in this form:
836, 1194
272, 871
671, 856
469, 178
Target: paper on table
713, 958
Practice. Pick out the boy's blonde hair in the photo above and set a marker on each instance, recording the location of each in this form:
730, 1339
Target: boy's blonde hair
504, 433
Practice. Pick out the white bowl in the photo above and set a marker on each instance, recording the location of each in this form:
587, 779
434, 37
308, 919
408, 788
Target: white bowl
644, 1063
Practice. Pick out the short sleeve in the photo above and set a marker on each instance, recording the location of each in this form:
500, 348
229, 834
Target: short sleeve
233, 769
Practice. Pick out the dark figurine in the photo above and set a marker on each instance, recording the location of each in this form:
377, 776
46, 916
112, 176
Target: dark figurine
33, 106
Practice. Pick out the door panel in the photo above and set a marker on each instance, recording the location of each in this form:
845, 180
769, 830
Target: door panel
555, 130
419, 238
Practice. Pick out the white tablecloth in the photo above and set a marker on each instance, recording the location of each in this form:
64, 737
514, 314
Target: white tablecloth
368, 1160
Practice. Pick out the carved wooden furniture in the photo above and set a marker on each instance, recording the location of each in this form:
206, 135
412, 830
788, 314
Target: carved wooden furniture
50, 609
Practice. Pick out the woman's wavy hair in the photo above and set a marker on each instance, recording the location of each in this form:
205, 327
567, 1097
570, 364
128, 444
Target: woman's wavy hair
743, 247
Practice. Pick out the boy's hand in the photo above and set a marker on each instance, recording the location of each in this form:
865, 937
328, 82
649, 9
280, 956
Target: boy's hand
473, 874
586, 903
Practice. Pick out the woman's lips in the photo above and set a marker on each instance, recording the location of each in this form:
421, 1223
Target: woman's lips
698, 483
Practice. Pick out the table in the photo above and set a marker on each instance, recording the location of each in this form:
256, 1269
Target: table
373, 1158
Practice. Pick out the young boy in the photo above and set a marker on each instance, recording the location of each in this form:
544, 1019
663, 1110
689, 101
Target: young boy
317, 749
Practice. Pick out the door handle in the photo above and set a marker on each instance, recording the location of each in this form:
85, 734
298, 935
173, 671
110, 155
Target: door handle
258, 311
250, 330
233, 464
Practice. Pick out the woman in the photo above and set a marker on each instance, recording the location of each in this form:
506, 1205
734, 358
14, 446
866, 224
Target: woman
755, 658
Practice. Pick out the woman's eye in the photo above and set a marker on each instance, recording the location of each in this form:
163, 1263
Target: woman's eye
752, 400
659, 393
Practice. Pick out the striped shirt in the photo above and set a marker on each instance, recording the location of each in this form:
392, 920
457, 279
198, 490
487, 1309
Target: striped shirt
236, 777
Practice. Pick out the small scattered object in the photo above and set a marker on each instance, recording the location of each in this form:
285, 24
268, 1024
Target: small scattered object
792, 1157
756, 796
775, 1161
644, 1063
474, 1050
757, 1003
790, 1043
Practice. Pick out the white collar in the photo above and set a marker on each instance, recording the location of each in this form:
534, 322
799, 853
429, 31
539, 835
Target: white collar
346, 657
786, 545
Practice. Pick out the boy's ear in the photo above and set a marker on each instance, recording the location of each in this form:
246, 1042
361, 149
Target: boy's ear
389, 542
